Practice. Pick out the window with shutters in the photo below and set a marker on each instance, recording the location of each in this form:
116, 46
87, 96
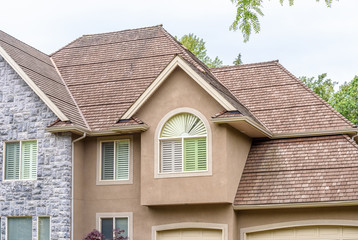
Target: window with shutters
20, 160
115, 162
183, 145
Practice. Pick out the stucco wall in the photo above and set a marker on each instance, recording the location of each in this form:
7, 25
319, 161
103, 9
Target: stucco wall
24, 116
180, 91
210, 204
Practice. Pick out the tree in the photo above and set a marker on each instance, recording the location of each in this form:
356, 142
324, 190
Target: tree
237, 60
247, 15
196, 45
345, 100
322, 86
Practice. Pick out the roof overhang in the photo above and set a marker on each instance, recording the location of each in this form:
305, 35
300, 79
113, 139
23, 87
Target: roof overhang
32, 85
177, 62
116, 130
296, 205
245, 125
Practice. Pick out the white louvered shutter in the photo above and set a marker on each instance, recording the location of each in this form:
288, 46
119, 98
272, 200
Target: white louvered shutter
29, 160
122, 160
12, 160
171, 152
107, 160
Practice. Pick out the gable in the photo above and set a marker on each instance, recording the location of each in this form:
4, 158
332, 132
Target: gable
39, 72
178, 62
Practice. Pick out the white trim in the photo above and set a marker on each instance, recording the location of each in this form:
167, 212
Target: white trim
7, 222
128, 215
208, 172
38, 225
99, 162
174, 226
247, 119
32, 85
304, 223
296, 205
20, 160
177, 61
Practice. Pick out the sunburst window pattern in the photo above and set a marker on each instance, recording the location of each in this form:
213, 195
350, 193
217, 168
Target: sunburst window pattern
183, 144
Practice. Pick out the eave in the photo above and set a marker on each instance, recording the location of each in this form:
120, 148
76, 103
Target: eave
245, 125
296, 205
117, 130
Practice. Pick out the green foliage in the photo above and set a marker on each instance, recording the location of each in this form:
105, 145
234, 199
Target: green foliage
345, 100
196, 45
322, 86
237, 60
247, 15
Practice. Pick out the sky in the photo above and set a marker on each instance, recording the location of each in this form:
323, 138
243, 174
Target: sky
308, 38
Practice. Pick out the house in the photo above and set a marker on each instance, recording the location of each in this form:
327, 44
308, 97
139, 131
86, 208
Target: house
130, 130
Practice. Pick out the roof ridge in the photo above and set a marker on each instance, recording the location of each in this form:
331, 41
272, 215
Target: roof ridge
125, 30
234, 67
85, 35
315, 95
25, 44
70, 93
65, 46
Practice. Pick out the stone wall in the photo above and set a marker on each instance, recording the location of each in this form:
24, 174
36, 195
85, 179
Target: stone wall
24, 116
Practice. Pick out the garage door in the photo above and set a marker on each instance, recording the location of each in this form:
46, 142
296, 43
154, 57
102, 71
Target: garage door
190, 234
305, 233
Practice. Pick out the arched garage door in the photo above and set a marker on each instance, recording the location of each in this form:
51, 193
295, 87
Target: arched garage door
307, 233
190, 234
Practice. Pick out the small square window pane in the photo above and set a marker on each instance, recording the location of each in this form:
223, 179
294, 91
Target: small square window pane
122, 224
19, 228
44, 228
107, 228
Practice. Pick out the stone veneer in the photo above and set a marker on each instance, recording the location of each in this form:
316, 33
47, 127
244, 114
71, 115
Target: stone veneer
23, 116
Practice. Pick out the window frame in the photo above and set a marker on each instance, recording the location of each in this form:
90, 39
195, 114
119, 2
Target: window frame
38, 225
7, 224
114, 215
99, 180
157, 146
20, 160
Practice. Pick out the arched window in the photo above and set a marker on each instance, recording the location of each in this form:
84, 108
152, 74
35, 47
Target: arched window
183, 144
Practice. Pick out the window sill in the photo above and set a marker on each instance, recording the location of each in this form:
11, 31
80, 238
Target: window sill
114, 182
19, 180
183, 174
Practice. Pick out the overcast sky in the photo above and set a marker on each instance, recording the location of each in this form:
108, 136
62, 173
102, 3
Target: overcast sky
308, 38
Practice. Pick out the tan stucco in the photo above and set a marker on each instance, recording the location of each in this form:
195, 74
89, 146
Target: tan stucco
180, 91
212, 195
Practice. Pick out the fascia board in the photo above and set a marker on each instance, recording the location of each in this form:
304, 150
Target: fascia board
296, 205
33, 86
177, 61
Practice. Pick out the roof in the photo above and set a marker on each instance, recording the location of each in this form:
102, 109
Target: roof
280, 101
97, 78
300, 170
106, 73
40, 69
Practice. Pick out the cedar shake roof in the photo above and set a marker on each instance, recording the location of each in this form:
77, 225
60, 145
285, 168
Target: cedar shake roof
280, 101
301, 170
39, 68
101, 76
106, 73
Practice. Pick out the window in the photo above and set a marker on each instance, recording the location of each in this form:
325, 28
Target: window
107, 222
115, 161
19, 228
20, 160
44, 228
183, 145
